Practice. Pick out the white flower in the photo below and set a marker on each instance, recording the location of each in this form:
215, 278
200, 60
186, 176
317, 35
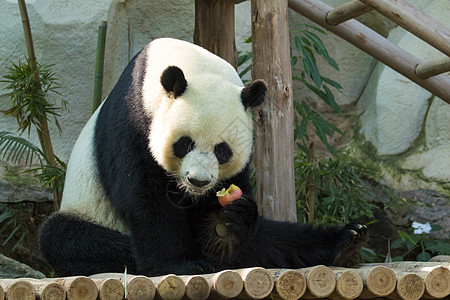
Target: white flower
421, 228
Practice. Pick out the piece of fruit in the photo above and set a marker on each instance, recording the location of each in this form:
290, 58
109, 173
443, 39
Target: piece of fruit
227, 196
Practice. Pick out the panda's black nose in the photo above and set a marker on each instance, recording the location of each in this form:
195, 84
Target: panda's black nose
198, 183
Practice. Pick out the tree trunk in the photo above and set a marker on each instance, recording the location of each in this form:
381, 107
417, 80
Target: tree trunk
274, 120
214, 28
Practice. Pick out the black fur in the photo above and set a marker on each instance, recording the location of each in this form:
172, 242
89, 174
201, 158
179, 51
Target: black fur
172, 79
254, 94
165, 238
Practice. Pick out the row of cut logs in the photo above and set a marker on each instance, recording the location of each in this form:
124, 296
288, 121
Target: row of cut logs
401, 280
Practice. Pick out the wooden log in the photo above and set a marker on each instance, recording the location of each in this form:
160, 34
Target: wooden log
409, 287
47, 290
349, 284
110, 289
18, 289
379, 281
169, 287
274, 119
441, 258
258, 283
225, 284
375, 45
289, 284
415, 21
433, 68
2, 293
136, 287
320, 282
78, 287
197, 287
214, 28
347, 11
436, 275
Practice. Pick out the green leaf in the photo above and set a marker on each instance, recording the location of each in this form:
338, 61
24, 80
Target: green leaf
332, 83
298, 43
423, 256
311, 68
397, 244
436, 227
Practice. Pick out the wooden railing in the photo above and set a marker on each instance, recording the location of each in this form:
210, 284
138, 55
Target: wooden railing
340, 21
401, 280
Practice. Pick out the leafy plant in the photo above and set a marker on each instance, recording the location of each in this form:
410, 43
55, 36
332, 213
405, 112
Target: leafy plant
339, 194
10, 219
31, 104
420, 243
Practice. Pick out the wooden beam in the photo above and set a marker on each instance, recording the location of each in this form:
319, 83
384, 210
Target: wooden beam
214, 28
374, 44
274, 120
347, 11
433, 68
415, 21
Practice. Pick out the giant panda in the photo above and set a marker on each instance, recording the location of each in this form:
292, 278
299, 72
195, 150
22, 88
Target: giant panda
141, 182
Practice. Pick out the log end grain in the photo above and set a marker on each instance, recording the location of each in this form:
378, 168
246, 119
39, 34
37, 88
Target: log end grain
197, 288
437, 282
111, 289
2, 293
320, 282
228, 284
349, 285
410, 287
290, 284
381, 281
140, 288
81, 288
20, 290
52, 291
258, 284
171, 288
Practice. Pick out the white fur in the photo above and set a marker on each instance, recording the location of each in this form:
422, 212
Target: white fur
83, 194
210, 111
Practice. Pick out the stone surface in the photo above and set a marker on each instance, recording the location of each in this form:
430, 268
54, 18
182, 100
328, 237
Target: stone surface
10, 268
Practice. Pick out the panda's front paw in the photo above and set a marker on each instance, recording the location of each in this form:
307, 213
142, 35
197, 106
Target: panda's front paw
241, 216
352, 237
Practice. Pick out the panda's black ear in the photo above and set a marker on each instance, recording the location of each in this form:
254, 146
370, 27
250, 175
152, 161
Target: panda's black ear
254, 94
172, 80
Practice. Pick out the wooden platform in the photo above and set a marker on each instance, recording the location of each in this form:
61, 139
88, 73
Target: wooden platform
401, 280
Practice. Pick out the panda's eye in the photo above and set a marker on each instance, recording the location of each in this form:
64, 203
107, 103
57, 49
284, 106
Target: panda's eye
223, 152
183, 146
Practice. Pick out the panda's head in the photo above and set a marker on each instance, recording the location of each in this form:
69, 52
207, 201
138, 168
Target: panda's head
201, 131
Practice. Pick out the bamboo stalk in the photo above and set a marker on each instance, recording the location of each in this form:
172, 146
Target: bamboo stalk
311, 185
347, 11
375, 45
42, 132
99, 63
289, 284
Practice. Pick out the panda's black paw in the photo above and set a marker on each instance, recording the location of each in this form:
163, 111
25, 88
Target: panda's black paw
240, 217
352, 237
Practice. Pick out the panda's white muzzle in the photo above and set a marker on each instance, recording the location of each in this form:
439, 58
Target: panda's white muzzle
199, 171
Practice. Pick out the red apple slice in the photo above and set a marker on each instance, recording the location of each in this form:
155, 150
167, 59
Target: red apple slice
227, 196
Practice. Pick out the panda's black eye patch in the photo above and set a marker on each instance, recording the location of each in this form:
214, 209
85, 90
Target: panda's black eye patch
223, 152
183, 146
